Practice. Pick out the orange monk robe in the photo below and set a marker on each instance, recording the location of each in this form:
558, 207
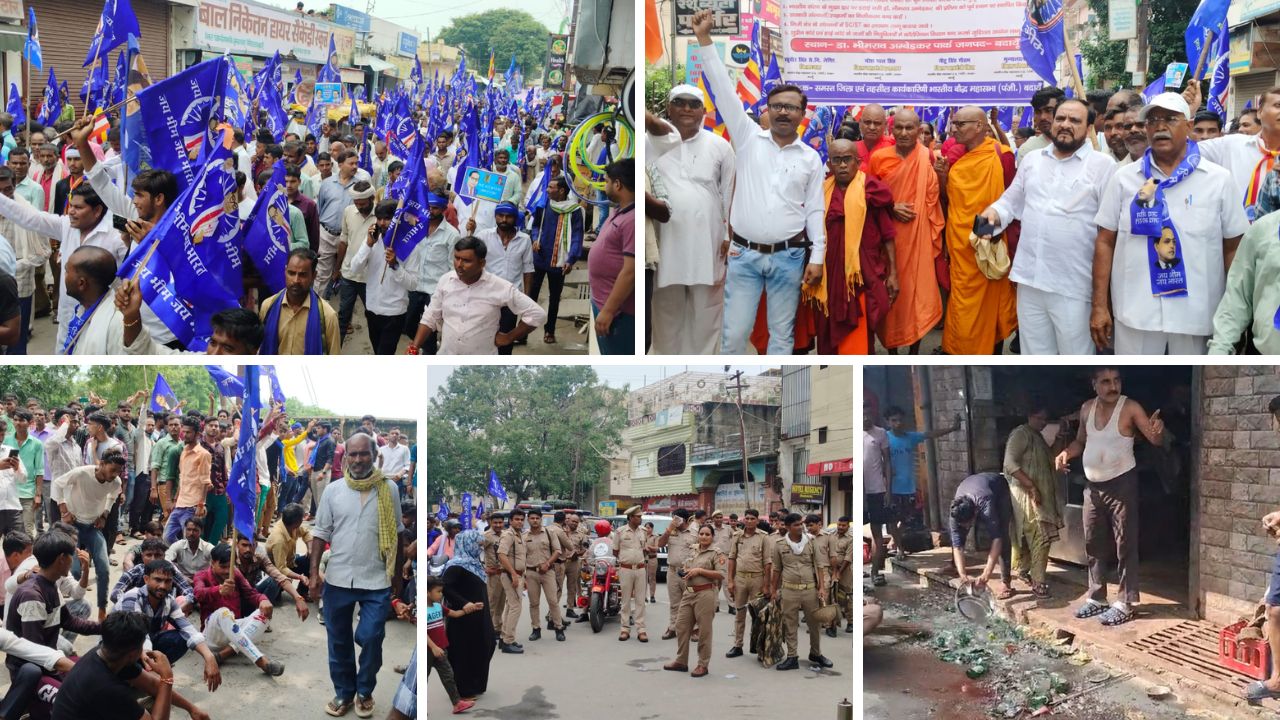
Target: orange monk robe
918, 307
980, 312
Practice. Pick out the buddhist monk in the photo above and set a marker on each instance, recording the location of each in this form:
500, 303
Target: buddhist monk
873, 123
981, 312
907, 168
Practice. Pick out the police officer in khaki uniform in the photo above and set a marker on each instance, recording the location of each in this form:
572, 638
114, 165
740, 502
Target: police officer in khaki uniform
799, 576
748, 561
511, 555
557, 530
723, 536
651, 562
680, 540
493, 569
577, 538
840, 558
629, 547
702, 572
540, 552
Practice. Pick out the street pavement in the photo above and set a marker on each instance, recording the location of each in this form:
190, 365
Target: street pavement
592, 675
304, 688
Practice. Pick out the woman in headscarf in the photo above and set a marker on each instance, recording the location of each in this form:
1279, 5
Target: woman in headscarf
471, 640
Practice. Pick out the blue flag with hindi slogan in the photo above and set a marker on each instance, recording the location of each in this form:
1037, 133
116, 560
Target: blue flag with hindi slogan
270, 101
120, 80
411, 223
189, 324
228, 385
175, 116
266, 234
162, 397
51, 103
1210, 17
1221, 78
495, 486
15, 107
277, 392
469, 131
464, 515
242, 481
116, 24
1042, 40
443, 512
31, 48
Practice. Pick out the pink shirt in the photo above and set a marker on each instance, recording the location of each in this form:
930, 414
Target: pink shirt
617, 241
468, 315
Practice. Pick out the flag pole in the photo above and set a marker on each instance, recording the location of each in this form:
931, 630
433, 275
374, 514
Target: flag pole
104, 112
26, 108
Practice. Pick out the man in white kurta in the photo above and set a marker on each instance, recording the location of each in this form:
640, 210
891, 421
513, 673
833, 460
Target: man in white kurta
697, 167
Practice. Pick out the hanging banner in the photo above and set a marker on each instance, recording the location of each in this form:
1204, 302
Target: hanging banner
553, 71
724, 16
913, 52
1122, 19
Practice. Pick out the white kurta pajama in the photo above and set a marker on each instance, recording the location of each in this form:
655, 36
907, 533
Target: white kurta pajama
688, 294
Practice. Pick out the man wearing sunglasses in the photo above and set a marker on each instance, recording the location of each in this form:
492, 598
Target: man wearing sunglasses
778, 235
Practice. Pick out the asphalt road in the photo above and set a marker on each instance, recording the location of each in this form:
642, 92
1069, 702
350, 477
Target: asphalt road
591, 675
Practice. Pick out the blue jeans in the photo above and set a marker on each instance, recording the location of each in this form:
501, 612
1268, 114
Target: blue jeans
749, 274
24, 336
177, 519
91, 539
128, 490
268, 587
339, 607
170, 643
621, 339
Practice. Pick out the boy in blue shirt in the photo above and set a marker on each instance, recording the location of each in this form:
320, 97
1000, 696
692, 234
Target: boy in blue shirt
902, 470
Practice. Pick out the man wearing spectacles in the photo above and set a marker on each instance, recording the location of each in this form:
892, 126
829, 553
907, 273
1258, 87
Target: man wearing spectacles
778, 240
697, 169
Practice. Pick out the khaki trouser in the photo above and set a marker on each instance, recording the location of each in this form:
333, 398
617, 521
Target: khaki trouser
319, 481
542, 584
793, 601
745, 586
651, 575
559, 568
632, 580
845, 581
573, 582
698, 608
675, 591
511, 612
497, 601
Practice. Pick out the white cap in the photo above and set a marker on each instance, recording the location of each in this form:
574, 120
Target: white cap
684, 90
1168, 101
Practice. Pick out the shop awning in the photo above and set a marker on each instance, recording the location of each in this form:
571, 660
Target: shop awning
830, 467
12, 40
375, 64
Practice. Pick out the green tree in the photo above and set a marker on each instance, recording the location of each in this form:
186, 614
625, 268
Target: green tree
507, 31
657, 84
51, 385
1165, 30
545, 430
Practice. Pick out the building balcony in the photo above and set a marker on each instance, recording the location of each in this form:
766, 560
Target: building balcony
757, 446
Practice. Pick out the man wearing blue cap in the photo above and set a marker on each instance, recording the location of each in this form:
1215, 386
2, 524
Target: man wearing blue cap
558, 228
510, 257
428, 262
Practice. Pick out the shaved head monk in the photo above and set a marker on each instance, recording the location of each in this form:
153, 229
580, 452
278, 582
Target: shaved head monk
873, 122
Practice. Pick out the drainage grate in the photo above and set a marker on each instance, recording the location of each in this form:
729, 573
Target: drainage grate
1193, 647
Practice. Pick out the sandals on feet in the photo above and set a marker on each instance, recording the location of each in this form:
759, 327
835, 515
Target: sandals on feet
1005, 594
1115, 616
1257, 691
1090, 609
879, 581
1040, 590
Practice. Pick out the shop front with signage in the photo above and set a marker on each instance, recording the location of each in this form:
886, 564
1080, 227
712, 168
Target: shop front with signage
667, 504
835, 478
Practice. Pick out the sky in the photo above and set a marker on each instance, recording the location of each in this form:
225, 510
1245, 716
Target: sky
617, 376
427, 19
346, 389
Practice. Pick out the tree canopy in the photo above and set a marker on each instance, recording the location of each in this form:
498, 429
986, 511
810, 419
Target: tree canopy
1168, 24
547, 431
507, 31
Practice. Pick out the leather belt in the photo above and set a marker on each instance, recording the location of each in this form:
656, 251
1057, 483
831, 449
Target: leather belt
799, 240
558, 562
700, 588
799, 586
748, 573
632, 566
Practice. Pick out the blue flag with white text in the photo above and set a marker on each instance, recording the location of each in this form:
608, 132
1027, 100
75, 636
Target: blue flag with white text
51, 104
277, 393
175, 116
330, 72
443, 512
266, 234
229, 385
464, 515
411, 223
1209, 22
242, 481
116, 24
162, 397
1042, 40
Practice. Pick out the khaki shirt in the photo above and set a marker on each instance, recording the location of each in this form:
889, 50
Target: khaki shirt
840, 549
709, 559
539, 547
721, 538
578, 540
680, 545
512, 545
795, 568
562, 537
630, 544
489, 545
749, 554
293, 326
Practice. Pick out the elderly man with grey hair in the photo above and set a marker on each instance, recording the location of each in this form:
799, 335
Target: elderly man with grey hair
359, 517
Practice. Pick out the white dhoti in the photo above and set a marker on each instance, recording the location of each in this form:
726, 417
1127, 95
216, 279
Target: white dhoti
687, 318
1053, 324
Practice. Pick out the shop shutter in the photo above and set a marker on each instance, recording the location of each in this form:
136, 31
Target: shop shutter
66, 29
1249, 87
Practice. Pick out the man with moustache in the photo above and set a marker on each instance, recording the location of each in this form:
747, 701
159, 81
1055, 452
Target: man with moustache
1249, 158
1044, 107
1134, 134
1203, 208
295, 320
1056, 194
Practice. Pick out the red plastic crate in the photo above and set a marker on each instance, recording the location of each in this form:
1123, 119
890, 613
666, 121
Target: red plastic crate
866, 553
1249, 657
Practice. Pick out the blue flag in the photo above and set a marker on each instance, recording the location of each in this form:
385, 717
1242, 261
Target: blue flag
416, 74
120, 81
495, 486
293, 92
228, 385
31, 48
266, 235
16, 106
354, 116
115, 26
1221, 78
191, 325
1042, 40
443, 512
411, 223
277, 393
175, 115
51, 105
366, 156
242, 481
471, 143
95, 91
480, 509
464, 515
162, 397
330, 73
1155, 88
772, 78
269, 100
1208, 23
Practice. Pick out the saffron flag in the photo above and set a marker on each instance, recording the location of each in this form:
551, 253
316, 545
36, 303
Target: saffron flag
654, 41
266, 237
1042, 39
229, 385
162, 397
31, 48
115, 26
242, 481
489, 75
1207, 26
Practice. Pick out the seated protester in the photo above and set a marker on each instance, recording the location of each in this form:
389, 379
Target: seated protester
68, 586
222, 592
191, 553
282, 542
253, 562
133, 556
156, 603
17, 547
153, 548
102, 684
236, 331
38, 614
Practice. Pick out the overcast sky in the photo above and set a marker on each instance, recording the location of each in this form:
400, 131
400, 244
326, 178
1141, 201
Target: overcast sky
428, 19
343, 388
636, 376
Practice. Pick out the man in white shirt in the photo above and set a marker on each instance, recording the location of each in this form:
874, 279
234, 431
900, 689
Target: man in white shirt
84, 497
190, 553
697, 168
393, 459
1155, 310
514, 189
386, 298
382, 159
31, 253
466, 305
1248, 158
1056, 194
777, 212
509, 255
428, 262
96, 326
1044, 108
357, 218
12, 473
875, 488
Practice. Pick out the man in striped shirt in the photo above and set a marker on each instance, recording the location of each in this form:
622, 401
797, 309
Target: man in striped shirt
156, 602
